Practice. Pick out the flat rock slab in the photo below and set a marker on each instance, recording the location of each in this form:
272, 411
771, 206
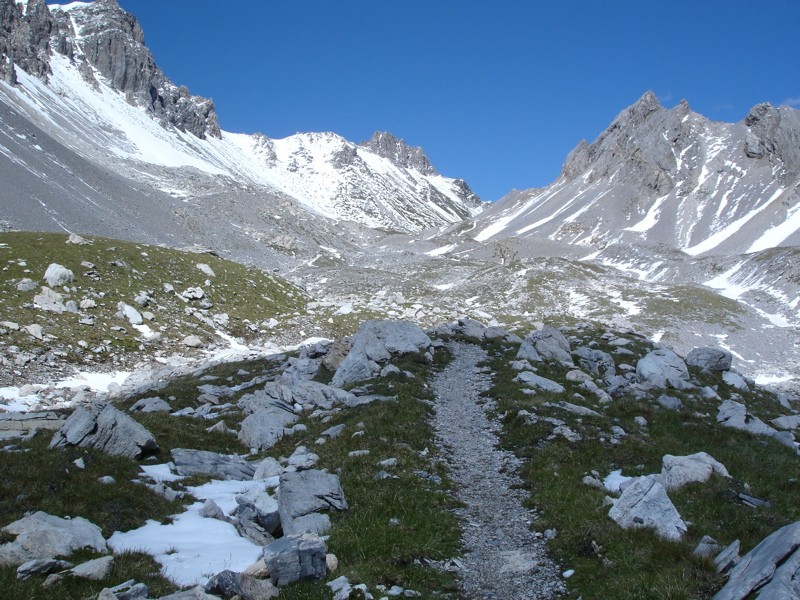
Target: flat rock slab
202, 462
41, 535
734, 414
772, 569
103, 427
30, 421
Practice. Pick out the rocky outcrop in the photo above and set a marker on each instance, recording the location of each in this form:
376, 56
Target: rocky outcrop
203, 462
376, 342
295, 557
25, 39
113, 43
410, 157
103, 427
302, 497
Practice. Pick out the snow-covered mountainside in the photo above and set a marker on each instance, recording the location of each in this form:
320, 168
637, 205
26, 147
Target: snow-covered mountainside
82, 74
673, 197
673, 177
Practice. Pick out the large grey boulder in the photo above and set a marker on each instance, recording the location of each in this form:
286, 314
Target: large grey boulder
645, 503
259, 506
56, 275
662, 368
229, 584
40, 535
295, 557
302, 495
96, 570
202, 462
678, 471
734, 414
710, 358
551, 345
771, 569
377, 342
103, 427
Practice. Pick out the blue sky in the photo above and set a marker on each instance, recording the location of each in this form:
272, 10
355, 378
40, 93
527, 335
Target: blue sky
496, 92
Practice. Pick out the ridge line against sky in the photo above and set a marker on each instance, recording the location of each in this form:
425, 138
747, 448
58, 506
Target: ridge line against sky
496, 93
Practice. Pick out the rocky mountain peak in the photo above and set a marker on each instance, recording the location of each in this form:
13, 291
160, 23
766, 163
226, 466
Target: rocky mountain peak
386, 145
112, 42
25, 33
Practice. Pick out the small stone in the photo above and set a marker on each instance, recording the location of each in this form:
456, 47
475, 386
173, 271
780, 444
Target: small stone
192, 341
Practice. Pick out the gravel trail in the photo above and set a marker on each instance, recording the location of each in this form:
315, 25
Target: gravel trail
504, 559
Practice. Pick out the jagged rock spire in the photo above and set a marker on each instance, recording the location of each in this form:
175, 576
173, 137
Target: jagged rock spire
388, 146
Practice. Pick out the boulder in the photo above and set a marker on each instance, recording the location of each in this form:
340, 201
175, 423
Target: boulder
203, 462
527, 351
662, 368
148, 405
377, 342
40, 535
551, 345
710, 358
734, 414
540, 383
771, 569
269, 467
96, 570
296, 557
735, 381
103, 427
261, 507
229, 584
56, 275
670, 402
645, 503
50, 301
301, 497
677, 471
133, 316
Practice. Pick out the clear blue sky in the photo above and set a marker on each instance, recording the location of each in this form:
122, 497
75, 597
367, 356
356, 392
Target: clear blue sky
497, 92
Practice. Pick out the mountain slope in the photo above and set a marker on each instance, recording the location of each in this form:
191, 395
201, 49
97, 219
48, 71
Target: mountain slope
93, 86
670, 176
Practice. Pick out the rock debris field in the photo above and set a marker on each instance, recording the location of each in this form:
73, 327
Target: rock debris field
503, 558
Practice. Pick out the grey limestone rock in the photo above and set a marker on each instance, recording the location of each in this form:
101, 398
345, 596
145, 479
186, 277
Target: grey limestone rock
678, 471
771, 569
262, 506
662, 368
527, 351
597, 362
107, 429
711, 358
133, 316
735, 380
670, 402
40, 535
734, 414
229, 584
56, 275
295, 557
645, 503
551, 345
50, 301
152, 404
301, 497
386, 145
41, 566
96, 570
195, 593
540, 383
203, 462
376, 342
269, 467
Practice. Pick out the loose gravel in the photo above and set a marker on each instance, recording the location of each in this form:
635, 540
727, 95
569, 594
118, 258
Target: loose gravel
504, 559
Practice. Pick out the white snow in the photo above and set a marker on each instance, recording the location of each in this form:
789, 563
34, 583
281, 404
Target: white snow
193, 548
98, 382
650, 219
716, 239
776, 235
441, 251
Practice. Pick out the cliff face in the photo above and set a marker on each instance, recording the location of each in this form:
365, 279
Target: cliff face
104, 40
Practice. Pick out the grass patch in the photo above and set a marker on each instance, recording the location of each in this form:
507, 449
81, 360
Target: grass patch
610, 562
111, 271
